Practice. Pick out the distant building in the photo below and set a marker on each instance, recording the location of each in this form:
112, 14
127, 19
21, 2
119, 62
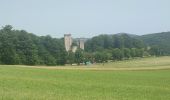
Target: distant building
81, 43
73, 45
68, 42
74, 48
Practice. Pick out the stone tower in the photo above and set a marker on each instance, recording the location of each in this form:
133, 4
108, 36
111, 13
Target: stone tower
81, 43
68, 42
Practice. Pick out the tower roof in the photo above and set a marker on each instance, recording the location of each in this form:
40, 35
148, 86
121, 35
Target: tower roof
67, 34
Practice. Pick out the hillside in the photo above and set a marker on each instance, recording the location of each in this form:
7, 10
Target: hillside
158, 40
120, 40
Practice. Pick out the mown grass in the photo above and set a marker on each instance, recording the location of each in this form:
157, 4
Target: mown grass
24, 83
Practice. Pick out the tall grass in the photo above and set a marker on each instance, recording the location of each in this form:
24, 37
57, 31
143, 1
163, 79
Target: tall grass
22, 83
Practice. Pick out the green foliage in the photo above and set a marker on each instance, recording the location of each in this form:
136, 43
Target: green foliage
79, 56
158, 42
101, 42
101, 57
116, 47
117, 54
133, 52
88, 57
156, 50
21, 47
139, 52
127, 52
71, 57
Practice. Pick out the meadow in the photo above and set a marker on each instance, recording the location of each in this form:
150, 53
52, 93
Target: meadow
137, 79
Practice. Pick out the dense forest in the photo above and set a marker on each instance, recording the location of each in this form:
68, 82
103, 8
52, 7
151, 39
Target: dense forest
123, 40
115, 47
158, 42
21, 47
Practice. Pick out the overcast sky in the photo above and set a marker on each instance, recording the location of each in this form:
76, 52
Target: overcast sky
86, 18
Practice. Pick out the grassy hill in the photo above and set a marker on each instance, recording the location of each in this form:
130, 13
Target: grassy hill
29, 83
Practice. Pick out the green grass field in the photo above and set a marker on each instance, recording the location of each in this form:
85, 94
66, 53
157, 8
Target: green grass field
140, 79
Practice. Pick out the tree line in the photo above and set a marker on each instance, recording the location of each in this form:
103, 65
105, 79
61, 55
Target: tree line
103, 48
158, 43
21, 47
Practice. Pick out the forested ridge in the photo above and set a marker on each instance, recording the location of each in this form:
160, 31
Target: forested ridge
115, 47
159, 42
98, 43
21, 47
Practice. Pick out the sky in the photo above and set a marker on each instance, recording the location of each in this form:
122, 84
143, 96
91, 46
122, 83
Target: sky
86, 18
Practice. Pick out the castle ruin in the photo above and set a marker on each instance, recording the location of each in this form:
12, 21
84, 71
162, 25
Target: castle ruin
81, 43
69, 43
